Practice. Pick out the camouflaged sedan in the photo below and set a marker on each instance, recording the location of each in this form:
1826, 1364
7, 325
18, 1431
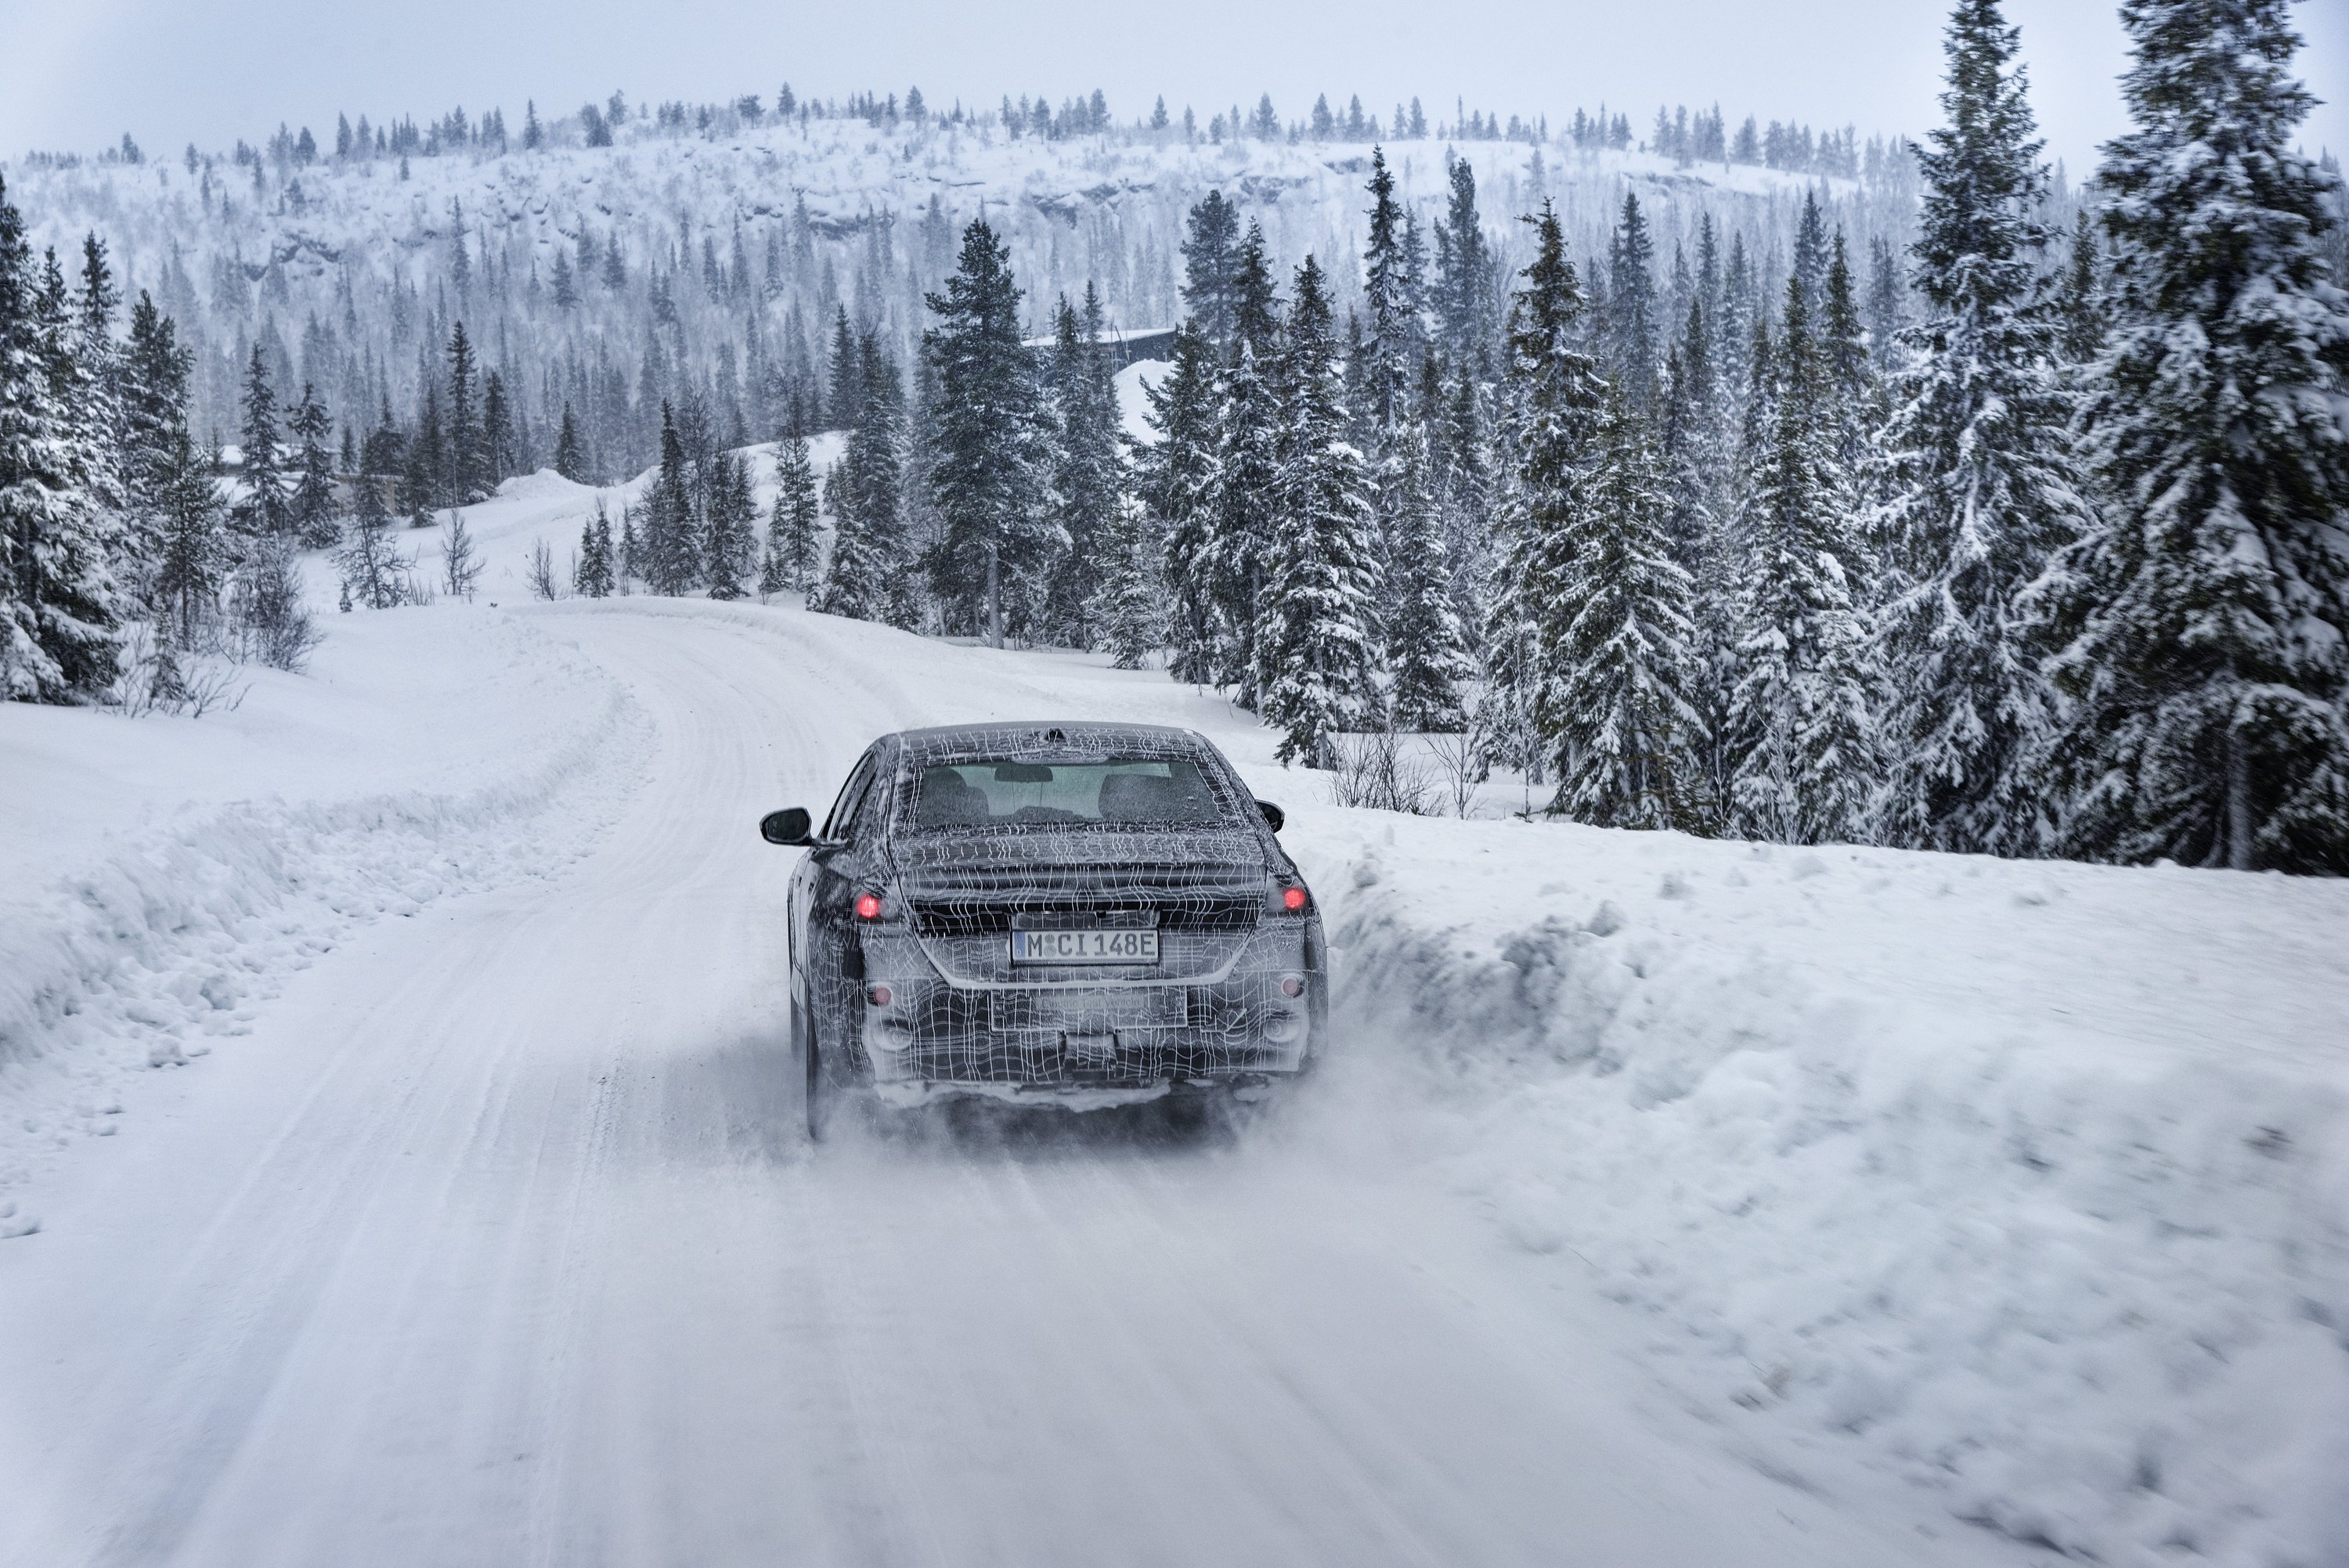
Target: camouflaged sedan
1072, 914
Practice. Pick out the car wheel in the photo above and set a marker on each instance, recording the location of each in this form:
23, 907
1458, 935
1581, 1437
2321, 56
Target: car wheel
816, 1096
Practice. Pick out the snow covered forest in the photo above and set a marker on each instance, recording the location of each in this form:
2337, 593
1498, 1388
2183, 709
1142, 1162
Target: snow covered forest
1757, 482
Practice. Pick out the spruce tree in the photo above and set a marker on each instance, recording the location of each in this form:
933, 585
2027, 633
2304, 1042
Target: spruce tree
1461, 437
266, 507
96, 399
1256, 300
1887, 288
1622, 722
1801, 718
844, 390
1391, 305
1425, 650
1983, 488
1210, 268
730, 541
1634, 333
630, 560
672, 540
870, 575
155, 371
497, 433
1557, 393
59, 605
1698, 456
194, 559
424, 477
1176, 481
792, 532
569, 461
310, 510
153, 413
1462, 295
992, 436
876, 461
2081, 303
1245, 510
2208, 661
1851, 375
467, 468
1129, 606
596, 576
1313, 653
856, 581
1738, 326
1087, 471
1810, 259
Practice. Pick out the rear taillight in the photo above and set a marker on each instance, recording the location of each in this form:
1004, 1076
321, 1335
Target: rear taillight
879, 996
868, 906
1292, 985
1288, 898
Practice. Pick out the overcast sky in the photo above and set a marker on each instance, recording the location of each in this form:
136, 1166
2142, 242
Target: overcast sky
76, 74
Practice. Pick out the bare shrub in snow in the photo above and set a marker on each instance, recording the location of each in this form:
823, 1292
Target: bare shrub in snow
461, 564
154, 676
543, 583
1460, 767
1372, 772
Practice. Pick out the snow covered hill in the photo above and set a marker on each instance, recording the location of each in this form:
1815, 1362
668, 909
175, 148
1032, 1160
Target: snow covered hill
737, 246
1944, 1194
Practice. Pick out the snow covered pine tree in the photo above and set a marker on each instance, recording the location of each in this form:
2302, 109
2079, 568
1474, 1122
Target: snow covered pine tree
1801, 718
1977, 460
59, 605
2210, 661
1313, 647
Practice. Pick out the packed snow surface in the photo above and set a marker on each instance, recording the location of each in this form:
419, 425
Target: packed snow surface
1666, 1202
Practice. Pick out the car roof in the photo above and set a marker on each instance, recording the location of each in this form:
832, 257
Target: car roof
1045, 738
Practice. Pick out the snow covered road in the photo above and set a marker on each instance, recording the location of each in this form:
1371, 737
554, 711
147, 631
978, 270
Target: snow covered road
490, 1244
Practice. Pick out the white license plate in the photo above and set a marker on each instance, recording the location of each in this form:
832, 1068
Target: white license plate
1095, 946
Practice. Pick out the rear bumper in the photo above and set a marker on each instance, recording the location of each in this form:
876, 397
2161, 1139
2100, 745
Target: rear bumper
1072, 1096
1085, 1059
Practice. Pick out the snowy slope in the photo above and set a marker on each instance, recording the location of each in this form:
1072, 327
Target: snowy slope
161, 877
849, 176
1934, 1189
338, 271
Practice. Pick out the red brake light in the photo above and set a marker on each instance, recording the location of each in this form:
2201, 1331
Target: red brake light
1292, 984
1292, 899
880, 996
868, 906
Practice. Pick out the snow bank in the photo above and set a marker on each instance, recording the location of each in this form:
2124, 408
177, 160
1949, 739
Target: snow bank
167, 875
2028, 1183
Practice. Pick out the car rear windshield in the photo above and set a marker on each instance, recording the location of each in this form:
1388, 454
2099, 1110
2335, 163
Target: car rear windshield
1118, 791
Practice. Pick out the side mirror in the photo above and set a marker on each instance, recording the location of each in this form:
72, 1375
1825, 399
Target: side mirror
789, 826
1273, 815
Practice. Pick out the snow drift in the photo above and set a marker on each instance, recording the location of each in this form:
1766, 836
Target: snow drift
2025, 1183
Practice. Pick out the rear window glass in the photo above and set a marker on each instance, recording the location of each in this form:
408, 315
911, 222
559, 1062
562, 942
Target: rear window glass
1123, 792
